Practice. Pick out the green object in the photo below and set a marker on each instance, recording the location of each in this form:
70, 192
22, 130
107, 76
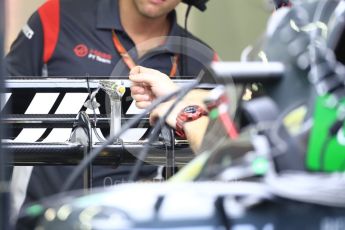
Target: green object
325, 152
214, 114
35, 210
260, 166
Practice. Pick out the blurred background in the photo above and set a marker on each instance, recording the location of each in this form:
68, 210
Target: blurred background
228, 26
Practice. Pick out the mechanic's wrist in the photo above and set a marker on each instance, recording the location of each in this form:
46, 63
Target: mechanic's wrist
171, 120
197, 96
194, 137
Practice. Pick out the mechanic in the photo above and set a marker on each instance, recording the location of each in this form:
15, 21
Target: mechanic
91, 38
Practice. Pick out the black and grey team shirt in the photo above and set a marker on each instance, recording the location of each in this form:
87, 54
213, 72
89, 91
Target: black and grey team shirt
74, 38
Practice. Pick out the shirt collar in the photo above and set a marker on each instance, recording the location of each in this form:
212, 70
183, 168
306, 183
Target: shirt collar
108, 15
172, 44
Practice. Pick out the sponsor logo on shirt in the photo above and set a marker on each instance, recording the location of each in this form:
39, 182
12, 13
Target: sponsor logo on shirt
83, 51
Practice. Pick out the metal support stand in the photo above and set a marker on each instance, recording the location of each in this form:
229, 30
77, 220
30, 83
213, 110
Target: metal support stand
88, 171
82, 136
115, 91
115, 116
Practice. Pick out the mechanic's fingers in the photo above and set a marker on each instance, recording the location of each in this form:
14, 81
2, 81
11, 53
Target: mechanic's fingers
142, 97
135, 70
141, 69
148, 79
137, 89
142, 104
149, 76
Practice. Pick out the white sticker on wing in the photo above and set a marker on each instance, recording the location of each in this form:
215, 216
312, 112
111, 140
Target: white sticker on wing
71, 104
133, 109
40, 104
4, 99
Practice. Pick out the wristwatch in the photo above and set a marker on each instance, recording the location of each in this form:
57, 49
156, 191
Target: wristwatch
189, 113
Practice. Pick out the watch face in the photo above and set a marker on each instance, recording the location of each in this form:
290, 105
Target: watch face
190, 109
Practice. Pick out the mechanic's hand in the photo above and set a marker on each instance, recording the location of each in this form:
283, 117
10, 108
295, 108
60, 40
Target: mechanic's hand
148, 84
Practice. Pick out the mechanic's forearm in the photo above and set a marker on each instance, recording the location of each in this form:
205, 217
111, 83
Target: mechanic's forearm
197, 95
195, 132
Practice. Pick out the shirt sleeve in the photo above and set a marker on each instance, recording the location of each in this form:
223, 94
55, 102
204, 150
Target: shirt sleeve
26, 54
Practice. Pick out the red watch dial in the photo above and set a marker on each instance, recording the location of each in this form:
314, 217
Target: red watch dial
190, 113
